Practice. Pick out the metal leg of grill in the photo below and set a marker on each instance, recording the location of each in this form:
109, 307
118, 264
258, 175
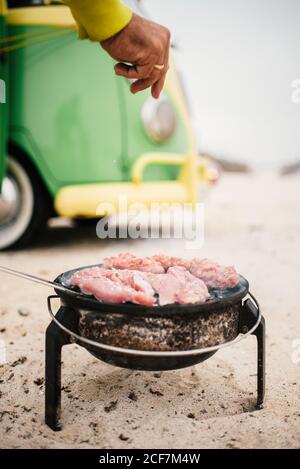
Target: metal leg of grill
261, 362
248, 318
55, 340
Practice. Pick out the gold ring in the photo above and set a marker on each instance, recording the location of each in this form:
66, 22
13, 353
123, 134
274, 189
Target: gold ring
159, 67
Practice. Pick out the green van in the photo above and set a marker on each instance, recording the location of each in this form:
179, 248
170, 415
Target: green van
72, 135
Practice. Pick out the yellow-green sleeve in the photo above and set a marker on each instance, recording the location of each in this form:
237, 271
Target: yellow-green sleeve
99, 19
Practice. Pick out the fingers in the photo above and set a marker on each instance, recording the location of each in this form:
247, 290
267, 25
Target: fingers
155, 81
146, 75
141, 85
134, 72
127, 71
159, 84
144, 83
157, 87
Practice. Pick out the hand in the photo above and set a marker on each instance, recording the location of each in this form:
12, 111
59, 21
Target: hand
143, 44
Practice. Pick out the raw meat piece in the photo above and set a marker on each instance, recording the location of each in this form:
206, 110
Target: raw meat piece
134, 279
119, 286
109, 291
115, 286
122, 261
178, 286
213, 274
166, 286
127, 278
171, 261
83, 274
131, 262
192, 289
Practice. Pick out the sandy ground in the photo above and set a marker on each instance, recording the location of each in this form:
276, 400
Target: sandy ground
252, 221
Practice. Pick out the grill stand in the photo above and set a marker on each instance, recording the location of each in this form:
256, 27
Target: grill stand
260, 334
56, 338
248, 317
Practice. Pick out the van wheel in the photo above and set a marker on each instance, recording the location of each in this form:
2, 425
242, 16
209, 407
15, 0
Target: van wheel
85, 222
24, 208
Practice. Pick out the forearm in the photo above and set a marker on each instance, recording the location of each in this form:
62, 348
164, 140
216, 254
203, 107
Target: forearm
99, 19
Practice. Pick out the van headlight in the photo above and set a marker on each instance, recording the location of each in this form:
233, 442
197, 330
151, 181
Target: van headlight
159, 118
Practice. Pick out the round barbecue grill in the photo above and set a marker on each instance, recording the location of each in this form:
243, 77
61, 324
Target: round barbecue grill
148, 338
145, 338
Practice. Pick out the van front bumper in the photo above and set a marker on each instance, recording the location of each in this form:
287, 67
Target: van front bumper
98, 199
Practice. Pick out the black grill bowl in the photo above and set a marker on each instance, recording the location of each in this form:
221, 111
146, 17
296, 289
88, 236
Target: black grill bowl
149, 363
167, 328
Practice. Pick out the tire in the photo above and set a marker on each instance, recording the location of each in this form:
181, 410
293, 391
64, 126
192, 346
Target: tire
24, 204
85, 222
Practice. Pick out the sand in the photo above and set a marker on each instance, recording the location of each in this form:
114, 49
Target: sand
252, 221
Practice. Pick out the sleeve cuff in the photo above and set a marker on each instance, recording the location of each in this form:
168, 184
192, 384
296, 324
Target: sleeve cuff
99, 19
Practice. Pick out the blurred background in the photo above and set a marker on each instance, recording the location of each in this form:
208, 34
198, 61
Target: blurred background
239, 59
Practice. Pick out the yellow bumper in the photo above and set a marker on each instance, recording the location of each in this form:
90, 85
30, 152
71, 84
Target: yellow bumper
92, 200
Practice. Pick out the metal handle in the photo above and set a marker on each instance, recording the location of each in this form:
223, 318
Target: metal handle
250, 312
144, 353
35, 279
